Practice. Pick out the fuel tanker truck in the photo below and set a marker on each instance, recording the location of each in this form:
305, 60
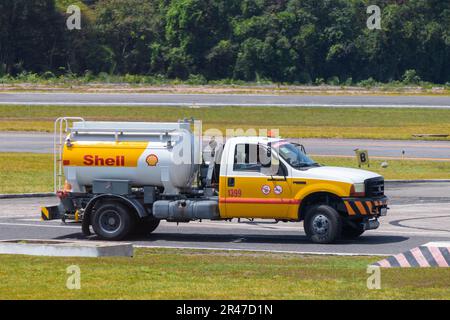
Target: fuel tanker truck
123, 178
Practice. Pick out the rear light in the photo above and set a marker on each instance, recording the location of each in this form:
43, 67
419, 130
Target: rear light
62, 194
358, 190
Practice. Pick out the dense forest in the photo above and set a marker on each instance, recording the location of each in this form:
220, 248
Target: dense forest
295, 41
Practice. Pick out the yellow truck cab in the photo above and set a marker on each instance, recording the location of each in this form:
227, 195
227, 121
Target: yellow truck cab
332, 201
124, 178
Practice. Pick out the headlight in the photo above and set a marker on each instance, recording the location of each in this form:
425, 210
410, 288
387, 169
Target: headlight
358, 190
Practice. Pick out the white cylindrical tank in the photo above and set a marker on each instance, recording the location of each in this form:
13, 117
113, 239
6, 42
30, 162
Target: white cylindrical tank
145, 154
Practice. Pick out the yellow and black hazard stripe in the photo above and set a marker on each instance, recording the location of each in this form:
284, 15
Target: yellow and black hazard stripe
363, 207
50, 213
45, 214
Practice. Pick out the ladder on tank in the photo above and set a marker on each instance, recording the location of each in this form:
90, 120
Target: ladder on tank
60, 131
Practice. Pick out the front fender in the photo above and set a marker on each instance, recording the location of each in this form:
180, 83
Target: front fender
335, 188
339, 189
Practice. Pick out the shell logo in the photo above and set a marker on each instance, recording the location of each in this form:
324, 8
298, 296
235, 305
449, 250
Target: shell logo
152, 160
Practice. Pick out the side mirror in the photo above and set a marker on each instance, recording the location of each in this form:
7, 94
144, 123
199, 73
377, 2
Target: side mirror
265, 159
269, 150
272, 166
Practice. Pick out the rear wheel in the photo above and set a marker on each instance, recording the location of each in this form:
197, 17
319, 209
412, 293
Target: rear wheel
112, 221
323, 224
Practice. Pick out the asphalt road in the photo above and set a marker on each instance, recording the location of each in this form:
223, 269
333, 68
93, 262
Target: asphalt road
420, 213
35, 142
140, 99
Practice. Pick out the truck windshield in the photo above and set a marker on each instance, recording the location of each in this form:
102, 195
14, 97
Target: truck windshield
292, 153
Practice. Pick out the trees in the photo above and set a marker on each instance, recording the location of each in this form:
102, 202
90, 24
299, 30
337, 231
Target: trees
127, 31
28, 37
413, 36
279, 40
198, 33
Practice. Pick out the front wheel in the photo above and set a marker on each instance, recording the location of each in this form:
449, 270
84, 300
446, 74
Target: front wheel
323, 224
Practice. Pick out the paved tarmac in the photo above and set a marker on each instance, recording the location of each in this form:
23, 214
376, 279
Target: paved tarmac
142, 99
36, 142
419, 213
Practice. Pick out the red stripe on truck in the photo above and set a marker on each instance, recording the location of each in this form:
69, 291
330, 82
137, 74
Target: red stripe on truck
259, 201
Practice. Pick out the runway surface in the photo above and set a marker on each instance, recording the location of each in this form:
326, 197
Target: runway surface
141, 99
35, 142
419, 213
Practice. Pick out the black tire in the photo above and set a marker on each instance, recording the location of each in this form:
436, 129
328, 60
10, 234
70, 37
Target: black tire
145, 226
323, 224
352, 232
112, 221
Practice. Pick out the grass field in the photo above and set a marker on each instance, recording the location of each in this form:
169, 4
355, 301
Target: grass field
27, 172
157, 84
397, 169
375, 123
186, 274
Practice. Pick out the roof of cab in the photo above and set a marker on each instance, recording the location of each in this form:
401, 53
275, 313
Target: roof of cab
253, 139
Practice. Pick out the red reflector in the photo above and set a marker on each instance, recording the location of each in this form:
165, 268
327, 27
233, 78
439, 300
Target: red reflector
66, 162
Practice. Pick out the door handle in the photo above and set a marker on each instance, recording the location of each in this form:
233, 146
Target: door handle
277, 179
231, 182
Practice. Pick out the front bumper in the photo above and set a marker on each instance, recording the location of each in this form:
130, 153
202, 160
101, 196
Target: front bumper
366, 207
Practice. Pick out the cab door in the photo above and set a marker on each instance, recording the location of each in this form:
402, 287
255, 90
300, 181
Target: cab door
251, 192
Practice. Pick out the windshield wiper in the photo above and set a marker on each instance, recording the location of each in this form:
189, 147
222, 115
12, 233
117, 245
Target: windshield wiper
307, 165
302, 165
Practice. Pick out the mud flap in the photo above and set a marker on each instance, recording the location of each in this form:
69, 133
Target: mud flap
85, 225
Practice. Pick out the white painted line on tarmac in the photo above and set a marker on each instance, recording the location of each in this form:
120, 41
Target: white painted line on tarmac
194, 225
36, 225
438, 244
265, 250
300, 230
417, 233
229, 104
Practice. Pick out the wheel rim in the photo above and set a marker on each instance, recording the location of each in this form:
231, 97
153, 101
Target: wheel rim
110, 221
320, 224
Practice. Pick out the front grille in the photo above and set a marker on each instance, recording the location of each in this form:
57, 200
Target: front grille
374, 187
